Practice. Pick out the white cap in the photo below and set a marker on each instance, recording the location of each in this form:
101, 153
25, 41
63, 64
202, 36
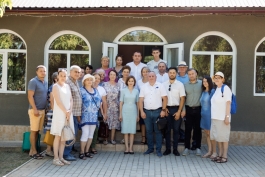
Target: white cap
219, 74
182, 63
88, 76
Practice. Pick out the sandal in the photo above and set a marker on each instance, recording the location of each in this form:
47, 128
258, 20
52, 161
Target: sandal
143, 142
216, 159
36, 156
207, 155
87, 154
94, 152
82, 156
214, 155
65, 161
222, 160
57, 162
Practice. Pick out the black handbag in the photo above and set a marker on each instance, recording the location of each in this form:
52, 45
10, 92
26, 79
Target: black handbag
103, 131
161, 123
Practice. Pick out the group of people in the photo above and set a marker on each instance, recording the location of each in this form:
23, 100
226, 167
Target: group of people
125, 95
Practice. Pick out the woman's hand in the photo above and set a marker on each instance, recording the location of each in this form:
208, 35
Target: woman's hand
68, 114
137, 119
120, 118
226, 121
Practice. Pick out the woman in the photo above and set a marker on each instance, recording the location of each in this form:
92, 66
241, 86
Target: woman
101, 73
140, 83
88, 69
49, 113
125, 74
62, 113
118, 66
208, 91
103, 94
129, 113
105, 67
221, 117
90, 105
112, 90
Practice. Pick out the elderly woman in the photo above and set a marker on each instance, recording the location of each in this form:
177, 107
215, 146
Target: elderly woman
101, 73
105, 67
118, 66
125, 73
221, 117
91, 100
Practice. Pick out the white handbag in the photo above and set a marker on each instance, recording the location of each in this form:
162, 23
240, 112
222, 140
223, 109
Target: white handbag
67, 134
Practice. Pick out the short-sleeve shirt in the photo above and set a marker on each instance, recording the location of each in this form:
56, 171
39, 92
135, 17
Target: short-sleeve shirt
152, 95
76, 95
193, 93
218, 103
177, 90
153, 65
136, 69
139, 84
122, 84
102, 91
162, 78
40, 89
183, 79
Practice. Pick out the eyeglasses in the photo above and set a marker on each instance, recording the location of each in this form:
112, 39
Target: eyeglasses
169, 89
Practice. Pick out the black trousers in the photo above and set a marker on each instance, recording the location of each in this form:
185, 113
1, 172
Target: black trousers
193, 120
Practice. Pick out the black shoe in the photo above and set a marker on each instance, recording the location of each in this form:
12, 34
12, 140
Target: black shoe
176, 152
168, 151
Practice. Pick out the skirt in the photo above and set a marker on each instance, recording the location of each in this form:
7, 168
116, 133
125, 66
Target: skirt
220, 132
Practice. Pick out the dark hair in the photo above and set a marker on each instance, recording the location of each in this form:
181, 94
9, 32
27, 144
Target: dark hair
130, 77
126, 67
155, 48
88, 66
118, 57
137, 52
173, 68
54, 76
192, 69
210, 83
113, 71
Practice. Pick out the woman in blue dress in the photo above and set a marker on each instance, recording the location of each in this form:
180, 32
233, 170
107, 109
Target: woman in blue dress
129, 114
208, 91
91, 100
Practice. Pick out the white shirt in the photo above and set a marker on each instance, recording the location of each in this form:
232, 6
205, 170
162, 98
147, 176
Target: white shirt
152, 95
101, 91
153, 65
140, 84
136, 69
162, 78
218, 103
177, 90
122, 84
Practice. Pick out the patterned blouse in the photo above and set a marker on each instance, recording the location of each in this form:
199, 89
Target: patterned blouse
90, 106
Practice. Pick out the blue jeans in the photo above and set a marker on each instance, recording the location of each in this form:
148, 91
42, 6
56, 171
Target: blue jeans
172, 124
151, 126
68, 149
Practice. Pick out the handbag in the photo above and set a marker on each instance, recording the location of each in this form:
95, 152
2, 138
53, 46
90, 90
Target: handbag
67, 134
161, 123
100, 116
103, 131
48, 138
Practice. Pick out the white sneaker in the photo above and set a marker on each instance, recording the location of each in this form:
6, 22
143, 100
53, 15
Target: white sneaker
198, 152
186, 152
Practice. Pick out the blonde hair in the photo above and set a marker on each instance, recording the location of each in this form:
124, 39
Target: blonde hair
105, 57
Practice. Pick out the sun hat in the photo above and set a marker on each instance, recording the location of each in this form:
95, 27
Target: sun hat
88, 76
219, 73
182, 63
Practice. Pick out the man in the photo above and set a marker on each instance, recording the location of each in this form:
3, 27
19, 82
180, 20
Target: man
136, 65
162, 76
193, 111
37, 96
77, 105
176, 99
152, 104
82, 73
153, 64
182, 72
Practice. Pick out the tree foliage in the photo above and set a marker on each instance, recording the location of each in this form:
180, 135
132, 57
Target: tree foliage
140, 36
260, 74
3, 5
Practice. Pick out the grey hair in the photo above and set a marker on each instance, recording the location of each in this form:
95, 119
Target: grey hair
54, 76
100, 71
75, 67
162, 62
105, 57
145, 67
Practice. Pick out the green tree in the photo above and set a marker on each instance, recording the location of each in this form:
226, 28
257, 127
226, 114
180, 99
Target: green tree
3, 5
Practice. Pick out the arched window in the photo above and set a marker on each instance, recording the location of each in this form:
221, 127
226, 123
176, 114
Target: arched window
64, 49
13, 62
212, 52
259, 69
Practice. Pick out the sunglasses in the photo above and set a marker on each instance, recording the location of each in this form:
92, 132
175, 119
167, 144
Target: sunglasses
169, 89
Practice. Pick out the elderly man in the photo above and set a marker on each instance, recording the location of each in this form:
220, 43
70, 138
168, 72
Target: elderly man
182, 72
152, 104
193, 90
136, 65
77, 105
153, 64
37, 96
162, 76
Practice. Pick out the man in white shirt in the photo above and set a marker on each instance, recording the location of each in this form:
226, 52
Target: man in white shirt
162, 76
136, 65
176, 99
152, 104
153, 64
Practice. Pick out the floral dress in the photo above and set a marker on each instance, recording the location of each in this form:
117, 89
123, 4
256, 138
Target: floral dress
113, 93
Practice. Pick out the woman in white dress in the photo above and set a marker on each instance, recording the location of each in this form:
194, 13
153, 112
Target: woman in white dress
62, 112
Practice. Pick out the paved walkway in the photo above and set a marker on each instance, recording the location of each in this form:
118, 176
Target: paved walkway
243, 161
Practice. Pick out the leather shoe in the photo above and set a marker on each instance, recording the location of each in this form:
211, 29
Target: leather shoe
176, 152
149, 151
69, 158
167, 151
159, 154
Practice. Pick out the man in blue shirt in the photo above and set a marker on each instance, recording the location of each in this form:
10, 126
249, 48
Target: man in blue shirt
182, 72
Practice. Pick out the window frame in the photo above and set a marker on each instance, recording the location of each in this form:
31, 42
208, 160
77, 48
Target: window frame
214, 53
47, 51
5, 68
255, 56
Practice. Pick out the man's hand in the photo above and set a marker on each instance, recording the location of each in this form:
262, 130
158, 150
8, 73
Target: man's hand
177, 115
36, 113
143, 115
